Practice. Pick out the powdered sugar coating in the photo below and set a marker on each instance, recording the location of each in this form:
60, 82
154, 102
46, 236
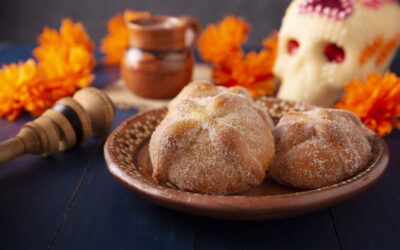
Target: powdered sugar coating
213, 140
319, 147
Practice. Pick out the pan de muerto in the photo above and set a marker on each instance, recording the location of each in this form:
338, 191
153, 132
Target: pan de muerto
213, 140
319, 147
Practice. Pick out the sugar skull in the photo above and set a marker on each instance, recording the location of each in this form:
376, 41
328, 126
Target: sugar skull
323, 44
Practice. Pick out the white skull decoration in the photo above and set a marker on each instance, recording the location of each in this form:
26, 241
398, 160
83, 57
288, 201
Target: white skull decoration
323, 44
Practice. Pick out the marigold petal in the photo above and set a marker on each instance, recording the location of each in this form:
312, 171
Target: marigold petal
220, 44
219, 41
376, 101
65, 63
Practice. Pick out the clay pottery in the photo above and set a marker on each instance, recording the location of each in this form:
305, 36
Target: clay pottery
127, 156
159, 61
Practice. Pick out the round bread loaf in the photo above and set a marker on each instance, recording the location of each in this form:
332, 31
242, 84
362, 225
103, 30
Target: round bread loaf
319, 147
213, 140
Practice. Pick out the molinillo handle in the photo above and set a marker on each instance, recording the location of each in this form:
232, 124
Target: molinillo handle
10, 149
193, 26
69, 122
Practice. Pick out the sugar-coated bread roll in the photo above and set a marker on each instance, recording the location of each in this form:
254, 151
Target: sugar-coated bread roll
319, 147
213, 140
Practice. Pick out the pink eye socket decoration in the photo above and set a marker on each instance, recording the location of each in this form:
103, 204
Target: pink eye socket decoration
292, 46
336, 9
334, 53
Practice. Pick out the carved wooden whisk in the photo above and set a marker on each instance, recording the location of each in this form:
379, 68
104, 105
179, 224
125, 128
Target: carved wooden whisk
71, 121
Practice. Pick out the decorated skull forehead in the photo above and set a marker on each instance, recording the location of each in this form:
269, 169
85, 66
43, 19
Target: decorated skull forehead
323, 44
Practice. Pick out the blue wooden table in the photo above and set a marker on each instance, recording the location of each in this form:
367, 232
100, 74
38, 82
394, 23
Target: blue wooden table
70, 201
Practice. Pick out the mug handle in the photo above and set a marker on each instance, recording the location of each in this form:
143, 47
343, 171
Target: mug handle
194, 25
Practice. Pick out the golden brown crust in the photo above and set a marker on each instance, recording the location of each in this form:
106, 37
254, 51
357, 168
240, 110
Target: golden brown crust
213, 140
319, 148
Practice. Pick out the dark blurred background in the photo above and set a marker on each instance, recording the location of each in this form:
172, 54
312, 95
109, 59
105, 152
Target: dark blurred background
22, 20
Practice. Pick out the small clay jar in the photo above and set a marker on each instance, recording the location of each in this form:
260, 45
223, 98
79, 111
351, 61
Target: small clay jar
159, 61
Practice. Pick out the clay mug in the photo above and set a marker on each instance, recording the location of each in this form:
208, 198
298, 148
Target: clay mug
159, 61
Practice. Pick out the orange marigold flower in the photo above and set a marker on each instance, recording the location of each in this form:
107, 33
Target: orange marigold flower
252, 71
219, 41
376, 101
18, 90
116, 41
65, 63
220, 45
71, 34
66, 55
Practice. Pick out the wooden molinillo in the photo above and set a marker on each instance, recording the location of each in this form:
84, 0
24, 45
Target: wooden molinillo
69, 122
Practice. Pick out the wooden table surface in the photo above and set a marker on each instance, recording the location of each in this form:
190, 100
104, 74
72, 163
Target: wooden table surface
70, 201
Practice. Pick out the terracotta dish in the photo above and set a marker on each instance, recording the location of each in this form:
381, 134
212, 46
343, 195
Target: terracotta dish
127, 157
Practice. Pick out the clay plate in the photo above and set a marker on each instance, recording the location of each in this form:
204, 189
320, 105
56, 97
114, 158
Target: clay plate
127, 157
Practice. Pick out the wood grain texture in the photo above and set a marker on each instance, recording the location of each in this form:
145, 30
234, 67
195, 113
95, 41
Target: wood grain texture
314, 231
372, 220
36, 192
106, 215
